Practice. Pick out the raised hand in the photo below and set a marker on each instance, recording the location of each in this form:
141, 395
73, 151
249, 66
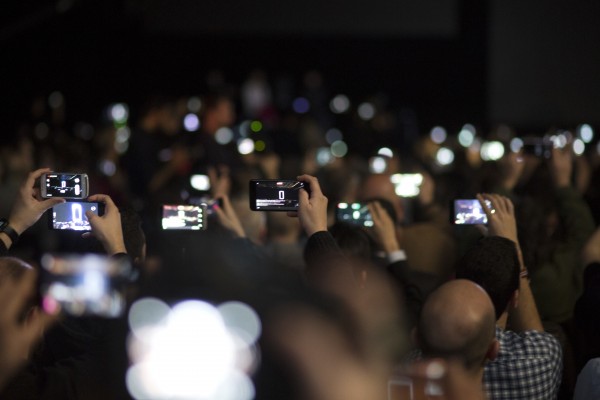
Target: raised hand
107, 228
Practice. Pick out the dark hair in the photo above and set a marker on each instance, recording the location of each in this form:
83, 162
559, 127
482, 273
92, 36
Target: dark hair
493, 264
352, 240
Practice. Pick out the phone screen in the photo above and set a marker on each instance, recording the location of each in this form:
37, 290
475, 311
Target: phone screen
274, 195
71, 215
407, 185
354, 213
65, 185
84, 285
184, 217
469, 212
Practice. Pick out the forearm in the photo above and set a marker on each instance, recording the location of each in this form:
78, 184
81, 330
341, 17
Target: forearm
575, 214
525, 317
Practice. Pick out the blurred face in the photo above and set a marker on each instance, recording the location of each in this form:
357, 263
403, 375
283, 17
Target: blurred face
225, 113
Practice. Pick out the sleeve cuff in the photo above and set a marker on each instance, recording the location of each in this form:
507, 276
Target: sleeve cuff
395, 256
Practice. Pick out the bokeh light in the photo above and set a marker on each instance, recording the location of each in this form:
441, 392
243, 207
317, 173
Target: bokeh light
438, 134
586, 133
444, 156
191, 122
339, 148
245, 146
366, 111
339, 104
224, 135
578, 147
301, 105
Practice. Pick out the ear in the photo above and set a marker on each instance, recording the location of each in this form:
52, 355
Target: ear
514, 299
493, 350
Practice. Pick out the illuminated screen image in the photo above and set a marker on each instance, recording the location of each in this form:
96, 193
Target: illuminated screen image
183, 217
407, 185
354, 213
469, 212
63, 185
71, 216
276, 195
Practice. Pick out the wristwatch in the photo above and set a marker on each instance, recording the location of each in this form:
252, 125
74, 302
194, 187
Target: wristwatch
10, 232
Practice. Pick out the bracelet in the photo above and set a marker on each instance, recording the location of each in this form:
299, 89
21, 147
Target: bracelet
524, 274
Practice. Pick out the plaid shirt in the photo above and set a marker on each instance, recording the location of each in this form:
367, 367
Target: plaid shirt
529, 366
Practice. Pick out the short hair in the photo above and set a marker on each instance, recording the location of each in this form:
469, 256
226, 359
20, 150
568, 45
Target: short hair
352, 240
493, 264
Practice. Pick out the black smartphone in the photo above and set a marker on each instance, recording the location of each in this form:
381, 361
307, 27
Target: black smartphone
275, 194
184, 217
354, 213
64, 184
84, 285
468, 212
538, 147
71, 215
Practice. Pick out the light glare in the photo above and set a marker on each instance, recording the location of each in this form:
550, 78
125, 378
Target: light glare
438, 134
444, 156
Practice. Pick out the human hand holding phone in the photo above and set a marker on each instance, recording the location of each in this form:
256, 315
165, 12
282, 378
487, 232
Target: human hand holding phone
228, 218
384, 230
500, 215
107, 228
312, 209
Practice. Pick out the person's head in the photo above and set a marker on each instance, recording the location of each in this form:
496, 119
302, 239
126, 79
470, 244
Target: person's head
380, 186
458, 322
218, 112
281, 228
493, 264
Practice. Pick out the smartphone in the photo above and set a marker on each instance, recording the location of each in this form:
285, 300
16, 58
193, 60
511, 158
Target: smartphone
184, 217
200, 182
84, 285
538, 147
469, 212
407, 185
67, 185
71, 215
275, 194
354, 213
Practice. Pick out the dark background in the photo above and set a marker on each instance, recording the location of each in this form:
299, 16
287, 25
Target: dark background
532, 64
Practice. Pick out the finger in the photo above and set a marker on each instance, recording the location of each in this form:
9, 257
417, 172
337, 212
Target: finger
226, 203
482, 229
484, 206
313, 183
30, 181
87, 235
303, 198
292, 214
91, 216
49, 203
103, 198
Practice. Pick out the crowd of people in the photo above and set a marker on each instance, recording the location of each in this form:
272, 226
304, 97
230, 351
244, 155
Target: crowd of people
410, 306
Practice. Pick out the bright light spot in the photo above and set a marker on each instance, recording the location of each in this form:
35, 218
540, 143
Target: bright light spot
438, 134
559, 141
256, 126
516, 144
339, 104
386, 152
122, 135
333, 135
200, 182
93, 284
324, 156
492, 151
245, 128
194, 104
223, 135
145, 313
260, 145
245, 146
377, 165
444, 156
191, 356
56, 99
301, 105
586, 133
466, 135
578, 147
119, 112
366, 111
339, 148
407, 185
107, 167
191, 122
241, 319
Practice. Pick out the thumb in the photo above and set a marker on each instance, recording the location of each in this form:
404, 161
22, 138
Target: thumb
49, 203
90, 216
303, 196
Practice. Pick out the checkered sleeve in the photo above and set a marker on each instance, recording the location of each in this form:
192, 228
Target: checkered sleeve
529, 366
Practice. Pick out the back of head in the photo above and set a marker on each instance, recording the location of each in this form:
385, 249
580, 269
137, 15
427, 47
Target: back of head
280, 226
457, 322
493, 264
352, 240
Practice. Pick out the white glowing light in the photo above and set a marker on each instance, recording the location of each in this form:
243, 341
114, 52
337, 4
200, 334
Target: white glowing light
578, 147
324, 156
466, 135
191, 123
386, 152
224, 135
242, 319
339, 148
444, 156
516, 144
245, 146
366, 111
339, 104
122, 135
492, 151
407, 185
200, 182
119, 112
333, 135
438, 134
145, 313
586, 133
559, 141
377, 165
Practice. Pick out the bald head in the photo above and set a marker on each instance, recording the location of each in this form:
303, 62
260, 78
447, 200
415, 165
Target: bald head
458, 321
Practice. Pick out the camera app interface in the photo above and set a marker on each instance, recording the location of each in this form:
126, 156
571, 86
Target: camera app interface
71, 216
469, 212
61, 185
355, 213
182, 217
277, 195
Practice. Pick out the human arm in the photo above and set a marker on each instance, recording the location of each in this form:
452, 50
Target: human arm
502, 222
228, 218
28, 207
107, 228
